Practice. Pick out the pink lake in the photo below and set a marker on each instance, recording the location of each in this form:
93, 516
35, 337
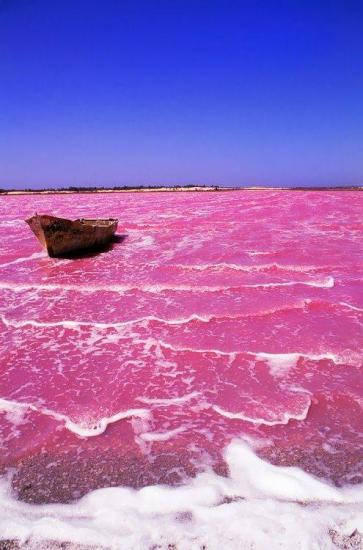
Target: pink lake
217, 317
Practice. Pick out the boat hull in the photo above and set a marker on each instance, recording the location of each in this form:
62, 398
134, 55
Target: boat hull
61, 236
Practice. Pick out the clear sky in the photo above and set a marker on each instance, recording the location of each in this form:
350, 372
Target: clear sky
117, 92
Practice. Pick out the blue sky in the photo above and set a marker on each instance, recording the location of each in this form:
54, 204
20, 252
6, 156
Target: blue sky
178, 92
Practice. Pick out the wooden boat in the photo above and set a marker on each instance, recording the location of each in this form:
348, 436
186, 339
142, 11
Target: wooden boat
61, 236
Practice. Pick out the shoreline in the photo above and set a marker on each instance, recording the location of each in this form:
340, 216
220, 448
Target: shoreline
209, 189
340, 540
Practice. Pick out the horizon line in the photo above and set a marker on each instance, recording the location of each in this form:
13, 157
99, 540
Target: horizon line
170, 188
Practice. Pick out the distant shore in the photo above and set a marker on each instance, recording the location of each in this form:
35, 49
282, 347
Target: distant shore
108, 190
187, 188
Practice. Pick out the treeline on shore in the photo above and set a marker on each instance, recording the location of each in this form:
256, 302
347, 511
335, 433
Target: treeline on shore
91, 189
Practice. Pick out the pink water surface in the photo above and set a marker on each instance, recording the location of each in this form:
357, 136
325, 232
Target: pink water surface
217, 316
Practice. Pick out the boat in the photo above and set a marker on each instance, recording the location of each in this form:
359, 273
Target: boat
61, 236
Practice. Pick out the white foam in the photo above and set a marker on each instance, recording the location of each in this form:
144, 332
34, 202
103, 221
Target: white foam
161, 436
256, 253
150, 342
280, 363
11, 223
328, 282
283, 419
73, 324
34, 256
249, 268
205, 318
145, 241
259, 506
274, 360
350, 306
260, 479
85, 427
169, 402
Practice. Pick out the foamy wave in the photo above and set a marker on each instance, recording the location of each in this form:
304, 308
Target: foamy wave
144, 241
280, 363
34, 256
273, 359
203, 318
83, 428
73, 324
161, 436
11, 223
328, 282
170, 401
350, 306
282, 420
257, 253
258, 506
150, 342
249, 268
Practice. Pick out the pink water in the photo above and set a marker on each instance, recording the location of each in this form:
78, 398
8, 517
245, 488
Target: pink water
218, 316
